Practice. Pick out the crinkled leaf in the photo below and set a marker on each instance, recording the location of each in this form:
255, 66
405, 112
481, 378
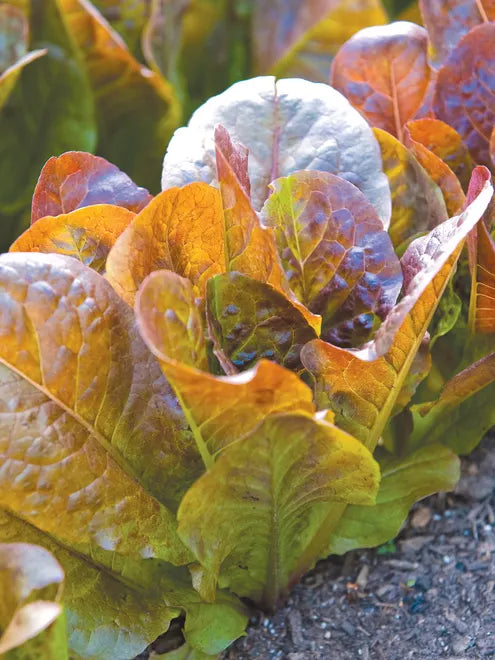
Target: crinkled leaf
286, 125
384, 73
86, 234
172, 319
30, 612
465, 91
439, 172
445, 142
137, 109
301, 39
49, 112
180, 230
248, 517
338, 259
417, 202
220, 409
464, 411
251, 320
447, 21
403, 482
99, 627
362, 386
91, 431
76, 179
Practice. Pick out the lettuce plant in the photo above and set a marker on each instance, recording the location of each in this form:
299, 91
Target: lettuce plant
204, 392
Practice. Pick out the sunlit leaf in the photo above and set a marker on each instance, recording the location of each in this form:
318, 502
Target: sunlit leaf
445, 142
137, 109
447, 21
301, 39
82, 396
76, 179
180, 230
248, 517
465, 91
30, 613
403, 482
417, 202
251, 320
482, 304
49, 111
286, 125
361, 386
384, 73
86, 234
464, 411
338, 259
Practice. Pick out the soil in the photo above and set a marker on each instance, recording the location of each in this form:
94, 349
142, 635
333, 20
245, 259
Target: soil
429, 594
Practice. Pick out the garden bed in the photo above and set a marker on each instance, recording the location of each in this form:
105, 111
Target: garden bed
431, 594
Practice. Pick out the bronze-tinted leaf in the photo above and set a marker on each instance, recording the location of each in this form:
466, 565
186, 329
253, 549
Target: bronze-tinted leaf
447, 21
76, 179
384, 73
86, 234
362, 386
445, 142
84, 407
338, 259
251, 320
180, 230
465, 91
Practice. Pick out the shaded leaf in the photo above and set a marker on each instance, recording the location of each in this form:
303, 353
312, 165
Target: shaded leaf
417, 202
247, 518
338, 259
76, 179
464, 411
301, 39
384, 73
251, 320
220, 409
403, 482
447, 21
162, 36
180, 230
465, 91
86, 234
445, 142
212, 627
30, 615
127, 17
137, 109
439, 171
14, 39
84, 407
286, 126
171, 318
446, 314
362, 386
49, 112
97, 624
